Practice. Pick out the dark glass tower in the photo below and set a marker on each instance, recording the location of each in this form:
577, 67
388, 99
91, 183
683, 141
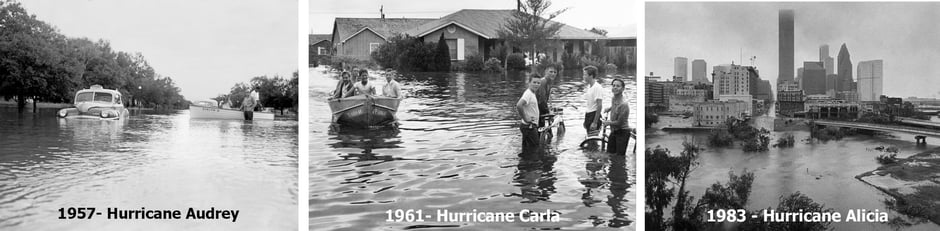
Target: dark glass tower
786, 46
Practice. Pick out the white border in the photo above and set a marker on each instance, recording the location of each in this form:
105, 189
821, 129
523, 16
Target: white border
303, 141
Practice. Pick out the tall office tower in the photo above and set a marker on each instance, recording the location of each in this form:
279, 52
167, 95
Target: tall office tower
845, 70
826, 59
870, 80
785, 18
698, 71
814, 78
682, 69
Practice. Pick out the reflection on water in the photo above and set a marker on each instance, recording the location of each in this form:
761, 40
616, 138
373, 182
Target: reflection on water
157, 161
457, 149
824, 171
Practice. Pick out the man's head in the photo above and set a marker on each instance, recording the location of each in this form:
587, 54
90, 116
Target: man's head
363, 75
618, 85
534, 82
389, 75
551, 72
589, 73
345, 76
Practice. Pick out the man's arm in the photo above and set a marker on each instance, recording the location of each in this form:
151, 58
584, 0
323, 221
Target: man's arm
597, 116
519, 106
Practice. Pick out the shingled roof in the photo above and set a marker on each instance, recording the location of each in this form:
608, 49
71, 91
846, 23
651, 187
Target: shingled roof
316, 38
487, 22
344, 28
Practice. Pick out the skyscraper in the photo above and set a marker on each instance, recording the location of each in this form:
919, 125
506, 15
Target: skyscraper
785, 18
682, 69
845, 70
698, 71
826, 59
870, 80
814, 78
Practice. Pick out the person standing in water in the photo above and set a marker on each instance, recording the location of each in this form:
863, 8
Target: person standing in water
593, 100
528, 110
619, 119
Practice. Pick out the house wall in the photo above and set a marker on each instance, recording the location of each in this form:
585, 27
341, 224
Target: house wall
472, 42
358, 46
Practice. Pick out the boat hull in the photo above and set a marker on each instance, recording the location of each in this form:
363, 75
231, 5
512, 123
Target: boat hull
200, 112
364, 111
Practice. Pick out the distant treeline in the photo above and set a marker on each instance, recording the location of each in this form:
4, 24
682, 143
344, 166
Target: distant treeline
39, 63
275, 92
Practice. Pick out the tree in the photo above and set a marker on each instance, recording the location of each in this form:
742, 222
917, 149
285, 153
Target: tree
528, 29
442, 56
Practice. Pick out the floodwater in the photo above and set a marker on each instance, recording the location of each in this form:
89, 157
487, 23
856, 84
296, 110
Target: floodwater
824, 171
457, 149
156, 161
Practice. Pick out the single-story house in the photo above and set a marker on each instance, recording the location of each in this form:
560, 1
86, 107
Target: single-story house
320, 47
466, 32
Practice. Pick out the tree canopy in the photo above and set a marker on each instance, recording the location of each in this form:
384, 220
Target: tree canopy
531, 28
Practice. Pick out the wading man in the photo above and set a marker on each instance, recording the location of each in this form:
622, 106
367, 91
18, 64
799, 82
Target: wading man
593, 100
528, 109
543, 94
619, 115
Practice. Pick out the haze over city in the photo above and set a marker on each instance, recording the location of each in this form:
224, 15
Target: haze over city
901, 34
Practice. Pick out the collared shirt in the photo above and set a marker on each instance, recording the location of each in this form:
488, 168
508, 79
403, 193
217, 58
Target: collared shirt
590, 97
364, 89
531, 108
392, 89
619, 114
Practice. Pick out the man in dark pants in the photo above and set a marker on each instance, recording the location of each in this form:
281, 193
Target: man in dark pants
619, 116
248, 106
593, 100
528, 109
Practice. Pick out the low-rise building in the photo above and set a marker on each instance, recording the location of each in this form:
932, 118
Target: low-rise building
715, 113
828, 108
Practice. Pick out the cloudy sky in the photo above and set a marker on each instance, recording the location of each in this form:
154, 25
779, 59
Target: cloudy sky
617, 17
206, 46
904, 35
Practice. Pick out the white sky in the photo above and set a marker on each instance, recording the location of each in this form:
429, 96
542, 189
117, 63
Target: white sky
904, 35
617, 17
206, 46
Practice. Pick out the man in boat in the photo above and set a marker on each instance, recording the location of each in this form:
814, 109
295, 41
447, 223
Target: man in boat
619, 115
344, 87
363, 87
248, 106
528, 110
544, 93
392, 88
593, 100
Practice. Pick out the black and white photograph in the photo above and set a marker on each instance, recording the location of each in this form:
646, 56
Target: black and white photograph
472, 115
792, 116
148, 115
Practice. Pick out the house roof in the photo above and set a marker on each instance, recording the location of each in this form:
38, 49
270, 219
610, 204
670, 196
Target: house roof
486, 23
345, 28
316, 38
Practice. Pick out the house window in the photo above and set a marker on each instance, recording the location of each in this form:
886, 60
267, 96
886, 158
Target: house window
321, 51
373, 47
452, 45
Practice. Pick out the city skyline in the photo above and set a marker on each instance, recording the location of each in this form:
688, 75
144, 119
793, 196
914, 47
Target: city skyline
718, 33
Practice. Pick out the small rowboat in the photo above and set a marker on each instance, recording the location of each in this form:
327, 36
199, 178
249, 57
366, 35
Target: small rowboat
364, 110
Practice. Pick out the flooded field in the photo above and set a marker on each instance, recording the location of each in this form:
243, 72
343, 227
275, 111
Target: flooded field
156, 161
457, 149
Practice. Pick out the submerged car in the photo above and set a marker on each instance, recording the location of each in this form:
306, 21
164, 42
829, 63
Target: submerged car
96, 103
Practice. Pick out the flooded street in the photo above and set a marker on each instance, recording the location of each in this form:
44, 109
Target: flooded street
156, 161
457, 149
824, 171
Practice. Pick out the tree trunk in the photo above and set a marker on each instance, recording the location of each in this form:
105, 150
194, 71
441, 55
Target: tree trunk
34, 106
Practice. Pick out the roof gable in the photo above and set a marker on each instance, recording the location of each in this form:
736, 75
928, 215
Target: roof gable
316, 38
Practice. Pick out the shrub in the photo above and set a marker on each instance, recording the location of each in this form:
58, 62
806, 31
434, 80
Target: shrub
386, 55
720, 138
610, 69
828, 133
887, 158
785, 141
516, 61
570, 61
493, 65
473, 62
592, 61
339, 62
651, 118
441, 60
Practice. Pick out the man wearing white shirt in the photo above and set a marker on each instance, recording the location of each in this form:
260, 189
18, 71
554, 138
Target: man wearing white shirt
593, 99
528, 109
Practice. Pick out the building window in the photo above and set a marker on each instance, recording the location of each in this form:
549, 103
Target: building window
373, 47
452, 45
321, 51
